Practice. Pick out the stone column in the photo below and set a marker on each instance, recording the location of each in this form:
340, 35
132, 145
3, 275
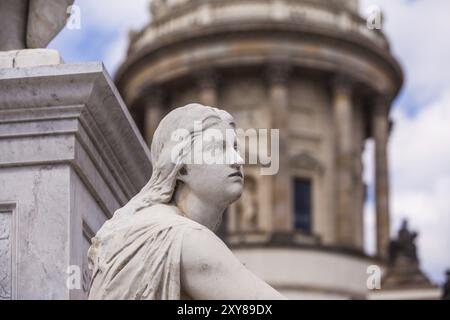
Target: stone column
359, 144
282, 191
207, 82
381, 135
343, 119
153, 112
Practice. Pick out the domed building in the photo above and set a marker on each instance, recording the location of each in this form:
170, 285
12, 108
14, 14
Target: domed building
314, 70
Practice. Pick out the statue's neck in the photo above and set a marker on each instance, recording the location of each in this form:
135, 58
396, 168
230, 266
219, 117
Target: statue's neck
204, 211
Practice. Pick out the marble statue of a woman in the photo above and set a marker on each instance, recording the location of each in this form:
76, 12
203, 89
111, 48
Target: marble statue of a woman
161, 244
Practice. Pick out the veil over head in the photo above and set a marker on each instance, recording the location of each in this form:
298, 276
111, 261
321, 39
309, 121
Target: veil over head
161, 185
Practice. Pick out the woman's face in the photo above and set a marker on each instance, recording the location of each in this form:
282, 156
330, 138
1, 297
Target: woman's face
214, 172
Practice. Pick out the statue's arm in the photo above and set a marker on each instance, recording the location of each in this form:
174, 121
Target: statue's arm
209, 270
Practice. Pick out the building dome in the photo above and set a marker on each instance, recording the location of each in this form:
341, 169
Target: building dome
314, 70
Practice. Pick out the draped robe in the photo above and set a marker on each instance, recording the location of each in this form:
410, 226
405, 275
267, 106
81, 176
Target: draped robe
138, 257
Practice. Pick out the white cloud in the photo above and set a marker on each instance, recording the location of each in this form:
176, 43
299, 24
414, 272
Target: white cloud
119, 15
369, 209
420, 183
419, 149
418, 32
369, 229
368, 160
419, 157
420, 144
108, 22
116, 53
114, 14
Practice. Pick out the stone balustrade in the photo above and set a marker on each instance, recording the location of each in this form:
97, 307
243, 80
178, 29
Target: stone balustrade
316, 13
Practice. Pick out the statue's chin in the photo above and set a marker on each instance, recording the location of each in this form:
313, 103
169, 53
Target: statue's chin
234, 192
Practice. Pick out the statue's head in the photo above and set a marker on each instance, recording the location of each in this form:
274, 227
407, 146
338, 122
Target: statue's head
194, 147
404, 224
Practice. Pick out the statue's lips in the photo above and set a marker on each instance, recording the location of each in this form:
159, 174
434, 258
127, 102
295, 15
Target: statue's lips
236, 174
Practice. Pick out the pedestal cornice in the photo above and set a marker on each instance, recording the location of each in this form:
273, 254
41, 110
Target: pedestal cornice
76, 110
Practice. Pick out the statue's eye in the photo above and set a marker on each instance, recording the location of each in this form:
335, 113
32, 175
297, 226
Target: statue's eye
216, 146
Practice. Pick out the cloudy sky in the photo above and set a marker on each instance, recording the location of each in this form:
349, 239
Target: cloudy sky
419, 31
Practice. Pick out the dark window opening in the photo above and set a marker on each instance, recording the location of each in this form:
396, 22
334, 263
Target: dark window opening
302, 204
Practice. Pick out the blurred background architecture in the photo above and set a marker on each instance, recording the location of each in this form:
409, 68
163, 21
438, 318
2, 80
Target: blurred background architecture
314, 70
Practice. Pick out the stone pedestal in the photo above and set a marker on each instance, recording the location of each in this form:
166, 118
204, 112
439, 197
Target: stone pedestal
70, 155
405, 281
29, 58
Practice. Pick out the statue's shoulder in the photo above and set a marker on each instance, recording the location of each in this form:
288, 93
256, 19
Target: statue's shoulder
159, 208
168, 215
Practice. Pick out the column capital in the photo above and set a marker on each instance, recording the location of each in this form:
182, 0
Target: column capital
152, 90
278, 72
207, 81
382, 104
207, 78
342, 82
384, 98
151, 95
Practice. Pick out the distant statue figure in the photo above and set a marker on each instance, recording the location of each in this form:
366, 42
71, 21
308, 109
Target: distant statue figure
161, 244
404, 246
403, 270
158, 7
446, 288
26, 24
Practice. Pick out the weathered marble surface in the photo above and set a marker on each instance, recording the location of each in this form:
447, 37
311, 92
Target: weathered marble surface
69, 157
5, 256
41, 194
29, 58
